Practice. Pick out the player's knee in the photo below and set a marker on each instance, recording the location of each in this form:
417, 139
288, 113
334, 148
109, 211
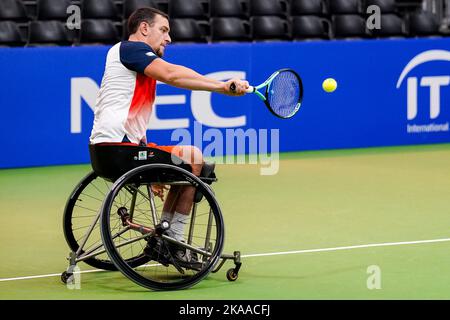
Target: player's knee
193, 156
197, 156
196, 160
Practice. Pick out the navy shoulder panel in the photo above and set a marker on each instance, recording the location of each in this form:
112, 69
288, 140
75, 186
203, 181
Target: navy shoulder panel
136, 56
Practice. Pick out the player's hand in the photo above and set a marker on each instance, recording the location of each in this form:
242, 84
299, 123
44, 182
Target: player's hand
236, 87
158, 190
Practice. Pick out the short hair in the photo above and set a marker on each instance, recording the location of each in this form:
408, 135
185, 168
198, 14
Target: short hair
146, 14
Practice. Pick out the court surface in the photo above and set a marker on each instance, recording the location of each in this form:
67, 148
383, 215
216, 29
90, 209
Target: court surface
313, 231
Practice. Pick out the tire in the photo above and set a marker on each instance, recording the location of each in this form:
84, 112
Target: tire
162, 275
232, 275
90, 191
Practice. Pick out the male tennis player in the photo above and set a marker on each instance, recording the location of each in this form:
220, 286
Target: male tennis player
127, 93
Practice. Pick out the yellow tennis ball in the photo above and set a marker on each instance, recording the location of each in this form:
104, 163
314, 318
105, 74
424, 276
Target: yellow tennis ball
329, 85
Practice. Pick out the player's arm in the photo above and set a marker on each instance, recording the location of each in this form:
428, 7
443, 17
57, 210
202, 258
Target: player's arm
182, 77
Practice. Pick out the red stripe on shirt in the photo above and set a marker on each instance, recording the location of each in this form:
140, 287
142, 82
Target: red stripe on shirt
143, 97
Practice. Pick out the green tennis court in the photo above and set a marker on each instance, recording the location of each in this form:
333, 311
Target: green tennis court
313, 231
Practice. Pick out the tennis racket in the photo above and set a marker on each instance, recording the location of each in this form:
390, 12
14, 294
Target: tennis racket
282, 93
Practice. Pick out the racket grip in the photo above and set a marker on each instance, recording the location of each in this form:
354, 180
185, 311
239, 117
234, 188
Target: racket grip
249, 90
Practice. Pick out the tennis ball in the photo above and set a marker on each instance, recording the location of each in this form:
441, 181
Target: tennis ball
329, 85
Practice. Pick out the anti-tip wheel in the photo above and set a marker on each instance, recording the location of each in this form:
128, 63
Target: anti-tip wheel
232, 275
66, 276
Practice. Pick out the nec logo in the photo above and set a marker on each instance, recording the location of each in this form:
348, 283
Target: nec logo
434, 83
201, 106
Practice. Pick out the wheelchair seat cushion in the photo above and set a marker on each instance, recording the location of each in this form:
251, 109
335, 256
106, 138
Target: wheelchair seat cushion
110, 161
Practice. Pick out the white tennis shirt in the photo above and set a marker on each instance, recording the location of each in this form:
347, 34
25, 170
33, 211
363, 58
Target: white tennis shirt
126, 96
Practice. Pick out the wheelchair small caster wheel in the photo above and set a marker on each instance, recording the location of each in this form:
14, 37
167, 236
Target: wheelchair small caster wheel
232, 275
65, 276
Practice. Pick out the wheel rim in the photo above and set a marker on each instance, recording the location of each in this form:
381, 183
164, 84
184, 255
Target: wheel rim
160, 274
81, 209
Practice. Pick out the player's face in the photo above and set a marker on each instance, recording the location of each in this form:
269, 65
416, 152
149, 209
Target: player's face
158, 37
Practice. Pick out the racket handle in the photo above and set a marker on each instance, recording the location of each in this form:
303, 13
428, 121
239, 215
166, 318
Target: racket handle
249, 90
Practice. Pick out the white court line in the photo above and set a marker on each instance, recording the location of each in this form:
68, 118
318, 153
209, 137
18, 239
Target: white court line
346, 248
59, 274
386, 244
45, 275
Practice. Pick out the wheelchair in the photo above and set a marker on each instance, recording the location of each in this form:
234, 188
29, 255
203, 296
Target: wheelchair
112, 220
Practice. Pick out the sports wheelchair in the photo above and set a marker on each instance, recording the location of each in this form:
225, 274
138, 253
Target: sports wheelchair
112, 220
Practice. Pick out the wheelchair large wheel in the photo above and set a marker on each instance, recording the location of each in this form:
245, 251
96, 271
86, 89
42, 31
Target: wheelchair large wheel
80, 214
130, 221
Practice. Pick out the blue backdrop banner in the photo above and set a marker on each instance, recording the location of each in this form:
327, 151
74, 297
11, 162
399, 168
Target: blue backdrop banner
390, 92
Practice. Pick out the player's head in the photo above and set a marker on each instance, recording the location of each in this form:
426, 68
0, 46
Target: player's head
151, 26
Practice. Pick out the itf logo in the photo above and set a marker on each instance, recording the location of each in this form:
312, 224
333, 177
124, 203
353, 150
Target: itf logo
435, 85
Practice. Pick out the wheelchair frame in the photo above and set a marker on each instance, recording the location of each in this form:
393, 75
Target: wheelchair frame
76, 256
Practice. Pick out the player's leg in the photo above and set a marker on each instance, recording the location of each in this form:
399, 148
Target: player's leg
178, 204
170, 203
182, 202
179, 200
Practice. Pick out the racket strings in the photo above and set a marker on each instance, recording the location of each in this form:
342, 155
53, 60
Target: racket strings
284, 94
